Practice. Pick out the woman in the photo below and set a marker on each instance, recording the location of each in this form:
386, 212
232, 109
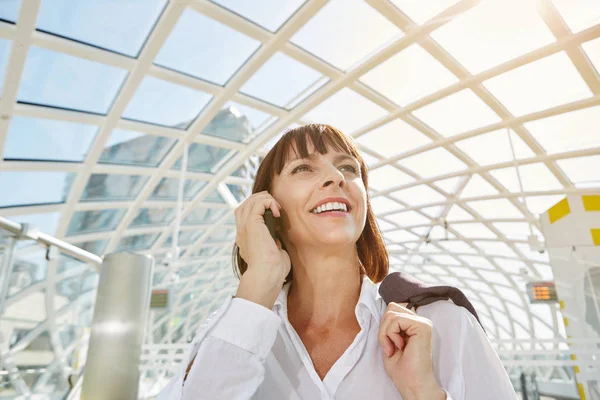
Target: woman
327, 334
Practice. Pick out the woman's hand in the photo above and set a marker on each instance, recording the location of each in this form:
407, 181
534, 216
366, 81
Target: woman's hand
405, 339
268, 263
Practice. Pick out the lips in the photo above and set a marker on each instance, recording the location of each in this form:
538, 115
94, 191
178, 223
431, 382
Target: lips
332, 203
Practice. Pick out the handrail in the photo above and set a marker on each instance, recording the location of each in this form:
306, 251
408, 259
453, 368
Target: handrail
48, 240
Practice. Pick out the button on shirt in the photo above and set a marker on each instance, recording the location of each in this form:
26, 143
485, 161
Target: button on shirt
246, 351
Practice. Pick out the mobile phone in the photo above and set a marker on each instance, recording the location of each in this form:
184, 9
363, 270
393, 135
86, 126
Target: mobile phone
270, 222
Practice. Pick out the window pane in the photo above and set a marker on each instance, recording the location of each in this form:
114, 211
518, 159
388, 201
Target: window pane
97, 247
107, 24
477, 186
45, 139
346, 110
238, 123
421, 11
190, 48
433, 162
460, 112
540, 85
574, 130
386, 177
94, 221
495, 147
592, 49
9, 10
579, 14
60, 80
267, 13
168, 189
582, 171
113, 187
342, 32
393, 138
214, 197
27, 188
153, 217
240, 192
45, 222
28, 268
185, 238
283, 81
5, 46
164, 103
493, 32
200, 216
135, 148
137, 242
419, 195
534, 177
496, 209
204, 158
409, 75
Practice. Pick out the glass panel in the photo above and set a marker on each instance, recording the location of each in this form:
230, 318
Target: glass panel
382, 204
29, 267
9, 10
473, 230
168, 189
458, 213
153, 217
113, 187
44, 139
433, 162
27, 188
164, 103
409, 218
240, 192
238, 123
395, 137
409, 75
60, 80
94, 221
418, 195
204, 158
221, 236
514, 230
535, 177
457, 247
541, 204
283, 81
135, 148
422, 11
495, 209
104, 24
4, 57
495, 147
478, 186
579, 14
575, 130
45, 222
137, 242
493, 32
542, 84
214, 197
267, 13
582, 171
341, 32
400, 236
449, 185
185, 238
457, 113
97, 247
387, 177
346, 110
190, 48
592, 49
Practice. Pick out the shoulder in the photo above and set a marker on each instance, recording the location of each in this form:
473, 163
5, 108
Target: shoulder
448, 317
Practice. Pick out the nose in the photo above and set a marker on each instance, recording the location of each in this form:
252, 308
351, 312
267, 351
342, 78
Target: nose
333, 176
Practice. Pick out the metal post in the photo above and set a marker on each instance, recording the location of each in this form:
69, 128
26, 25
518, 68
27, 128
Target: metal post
120, 317
6, 269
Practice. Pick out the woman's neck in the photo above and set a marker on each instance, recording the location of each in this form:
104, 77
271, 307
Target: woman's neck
324, 291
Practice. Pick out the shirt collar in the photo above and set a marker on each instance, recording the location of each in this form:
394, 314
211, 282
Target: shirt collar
369, 300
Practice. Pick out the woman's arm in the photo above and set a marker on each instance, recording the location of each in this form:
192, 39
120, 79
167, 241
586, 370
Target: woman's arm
226, 358
465, 363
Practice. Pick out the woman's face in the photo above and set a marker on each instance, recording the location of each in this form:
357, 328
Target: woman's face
307, 188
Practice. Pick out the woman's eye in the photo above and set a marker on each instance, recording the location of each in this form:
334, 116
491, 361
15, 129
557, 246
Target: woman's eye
301, 168
350, 168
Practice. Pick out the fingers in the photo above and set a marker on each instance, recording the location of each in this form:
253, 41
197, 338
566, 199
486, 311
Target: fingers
253, 204
398, 325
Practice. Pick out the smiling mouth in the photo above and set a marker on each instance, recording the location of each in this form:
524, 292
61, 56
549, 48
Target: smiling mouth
331, 207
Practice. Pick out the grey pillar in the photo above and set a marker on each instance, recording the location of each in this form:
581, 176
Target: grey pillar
120, 318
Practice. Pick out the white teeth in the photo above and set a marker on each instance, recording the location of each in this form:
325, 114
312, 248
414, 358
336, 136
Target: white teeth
329, 207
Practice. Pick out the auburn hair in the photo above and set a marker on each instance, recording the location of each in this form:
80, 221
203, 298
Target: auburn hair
371, 249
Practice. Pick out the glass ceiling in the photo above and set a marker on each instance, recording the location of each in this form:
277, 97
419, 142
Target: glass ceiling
474, 117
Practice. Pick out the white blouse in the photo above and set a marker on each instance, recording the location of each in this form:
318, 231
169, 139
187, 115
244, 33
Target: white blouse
245, 351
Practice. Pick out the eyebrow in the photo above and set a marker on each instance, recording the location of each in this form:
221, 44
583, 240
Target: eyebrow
338, 158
